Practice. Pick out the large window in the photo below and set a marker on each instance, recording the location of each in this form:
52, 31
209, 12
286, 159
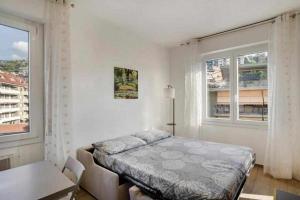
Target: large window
236, 86
21, 81
14, 80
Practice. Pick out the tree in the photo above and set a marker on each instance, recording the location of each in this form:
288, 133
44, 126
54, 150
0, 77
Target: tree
15, 66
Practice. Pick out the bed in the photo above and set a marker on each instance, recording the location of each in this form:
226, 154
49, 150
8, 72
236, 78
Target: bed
176, 168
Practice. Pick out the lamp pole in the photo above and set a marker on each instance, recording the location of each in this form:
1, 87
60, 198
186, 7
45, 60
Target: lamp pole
173, 116
170, 93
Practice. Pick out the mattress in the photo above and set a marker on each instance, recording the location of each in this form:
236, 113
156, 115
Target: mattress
184, 169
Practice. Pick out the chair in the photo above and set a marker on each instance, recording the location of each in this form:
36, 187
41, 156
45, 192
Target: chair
77, 169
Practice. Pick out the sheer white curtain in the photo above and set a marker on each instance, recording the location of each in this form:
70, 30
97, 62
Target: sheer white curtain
283, 149
58, 134
193, 90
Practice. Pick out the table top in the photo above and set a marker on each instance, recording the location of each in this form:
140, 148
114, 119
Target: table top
40, 180
281, 195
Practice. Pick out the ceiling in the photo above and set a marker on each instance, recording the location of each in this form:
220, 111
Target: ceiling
170, 22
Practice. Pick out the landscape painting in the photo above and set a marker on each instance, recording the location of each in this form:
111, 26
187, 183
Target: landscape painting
126, 83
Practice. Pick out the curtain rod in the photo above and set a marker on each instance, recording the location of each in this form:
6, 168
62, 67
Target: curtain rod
269, 20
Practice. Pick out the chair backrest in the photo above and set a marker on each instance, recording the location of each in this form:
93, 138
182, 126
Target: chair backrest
76, 168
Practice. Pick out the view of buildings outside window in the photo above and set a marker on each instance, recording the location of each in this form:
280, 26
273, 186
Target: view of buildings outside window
252, 87
14, 80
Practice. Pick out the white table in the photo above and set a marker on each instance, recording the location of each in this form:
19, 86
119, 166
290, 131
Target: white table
40, 180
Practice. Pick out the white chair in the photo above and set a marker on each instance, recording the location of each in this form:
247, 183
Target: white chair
77, 169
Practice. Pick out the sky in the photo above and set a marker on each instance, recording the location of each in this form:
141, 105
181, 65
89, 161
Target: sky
13, 43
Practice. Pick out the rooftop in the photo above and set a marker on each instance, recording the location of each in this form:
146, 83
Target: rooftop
12, 79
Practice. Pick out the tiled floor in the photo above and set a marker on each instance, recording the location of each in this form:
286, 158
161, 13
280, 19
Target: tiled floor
257, 187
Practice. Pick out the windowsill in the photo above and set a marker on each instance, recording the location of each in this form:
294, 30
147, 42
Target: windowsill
237, 124
16, 140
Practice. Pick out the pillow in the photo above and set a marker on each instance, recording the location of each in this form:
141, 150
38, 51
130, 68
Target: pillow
119, 144
152, 135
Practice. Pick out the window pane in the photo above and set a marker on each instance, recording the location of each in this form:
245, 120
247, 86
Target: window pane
253, 86
218, 88
14, 78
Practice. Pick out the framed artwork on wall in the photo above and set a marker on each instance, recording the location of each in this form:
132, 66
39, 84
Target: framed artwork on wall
125, 83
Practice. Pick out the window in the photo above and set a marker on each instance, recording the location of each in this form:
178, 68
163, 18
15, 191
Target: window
14, 80
21, 80
236, 86
218, 86
253, 86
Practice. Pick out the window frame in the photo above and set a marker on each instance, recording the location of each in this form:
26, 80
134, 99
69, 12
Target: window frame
36, 82
232, 54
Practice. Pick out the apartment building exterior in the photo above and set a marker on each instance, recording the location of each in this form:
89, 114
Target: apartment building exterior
14, 103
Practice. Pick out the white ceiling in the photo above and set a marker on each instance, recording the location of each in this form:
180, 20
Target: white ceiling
169, 22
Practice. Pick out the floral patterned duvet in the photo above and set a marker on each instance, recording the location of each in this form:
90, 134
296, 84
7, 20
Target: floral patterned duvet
184, 169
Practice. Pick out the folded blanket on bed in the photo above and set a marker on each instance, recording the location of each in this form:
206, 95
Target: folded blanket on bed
184, 169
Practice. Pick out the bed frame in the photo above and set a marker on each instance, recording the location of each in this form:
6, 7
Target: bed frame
100, 182
104, 184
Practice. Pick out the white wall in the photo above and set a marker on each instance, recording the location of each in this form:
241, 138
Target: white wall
96, 47
252, 137
29, 9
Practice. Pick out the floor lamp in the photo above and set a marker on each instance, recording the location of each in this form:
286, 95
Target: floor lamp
170, 94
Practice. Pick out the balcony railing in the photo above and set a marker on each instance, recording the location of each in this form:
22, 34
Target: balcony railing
26, 108
9, 100
253, 84
9, 119
9, 110
243, 85
9, 91
25, 116
25, 93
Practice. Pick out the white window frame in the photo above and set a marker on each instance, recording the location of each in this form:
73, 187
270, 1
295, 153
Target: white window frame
232, 54
36, 82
